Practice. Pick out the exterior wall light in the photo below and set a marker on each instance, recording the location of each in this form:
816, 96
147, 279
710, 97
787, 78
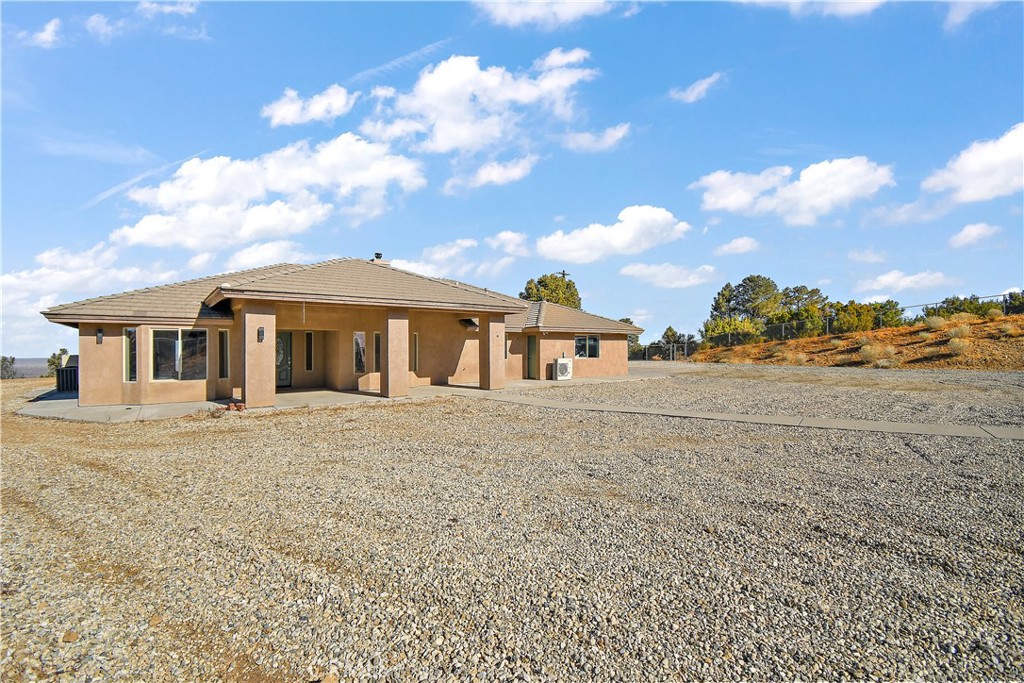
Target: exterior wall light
260, 334
99, 335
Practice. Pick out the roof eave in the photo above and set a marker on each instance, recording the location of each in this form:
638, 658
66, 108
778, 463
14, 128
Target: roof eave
220, 294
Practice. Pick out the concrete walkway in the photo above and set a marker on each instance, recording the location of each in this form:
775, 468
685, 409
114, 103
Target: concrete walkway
50, 404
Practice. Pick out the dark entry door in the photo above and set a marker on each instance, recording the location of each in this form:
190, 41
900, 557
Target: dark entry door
284, 359
532, 357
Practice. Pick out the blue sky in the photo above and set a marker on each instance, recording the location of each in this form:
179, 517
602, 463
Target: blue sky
654, 151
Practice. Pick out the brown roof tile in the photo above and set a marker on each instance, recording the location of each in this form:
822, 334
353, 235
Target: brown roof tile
551, 317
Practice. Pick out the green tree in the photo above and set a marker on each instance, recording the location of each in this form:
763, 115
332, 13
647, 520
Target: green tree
723, 304
1014, 303
967, 304
809, 321
7, 370
888, 313
854, 317
670, 336
635, 348
732, 330
53, 362
757, 297
552, 287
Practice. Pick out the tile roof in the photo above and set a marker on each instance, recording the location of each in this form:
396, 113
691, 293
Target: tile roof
551, 317
343, 281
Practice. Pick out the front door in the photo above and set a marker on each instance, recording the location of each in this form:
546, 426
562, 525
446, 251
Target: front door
532, 357
284, 359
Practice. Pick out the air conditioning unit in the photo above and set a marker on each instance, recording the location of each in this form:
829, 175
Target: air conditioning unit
563, 368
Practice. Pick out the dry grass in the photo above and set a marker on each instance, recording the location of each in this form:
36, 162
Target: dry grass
925, 335
935, 322
876, 353
836, 343
993, 314
963, 318
960, 332
958, 346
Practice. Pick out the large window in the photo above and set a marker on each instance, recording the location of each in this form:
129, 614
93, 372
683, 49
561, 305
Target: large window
223, 355
179, 354
131, 354
359, 351
588, 346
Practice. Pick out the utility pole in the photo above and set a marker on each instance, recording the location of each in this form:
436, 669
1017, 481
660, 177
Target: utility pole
563, 274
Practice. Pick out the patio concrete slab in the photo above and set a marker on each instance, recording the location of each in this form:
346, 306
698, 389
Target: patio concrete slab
1013, 433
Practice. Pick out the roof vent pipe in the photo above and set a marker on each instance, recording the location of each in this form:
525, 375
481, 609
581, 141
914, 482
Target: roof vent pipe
378, 256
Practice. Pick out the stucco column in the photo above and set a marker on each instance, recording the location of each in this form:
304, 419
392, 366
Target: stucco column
259, 383
394, 371
492, 351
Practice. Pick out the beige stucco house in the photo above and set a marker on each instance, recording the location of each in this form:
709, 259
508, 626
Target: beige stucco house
344, 324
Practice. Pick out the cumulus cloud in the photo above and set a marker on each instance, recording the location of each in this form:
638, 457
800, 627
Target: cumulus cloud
290, 109
495, 173
740, 245
819, 190
972, 234
868, 255
696, 91
100, 28
512, 243
267, 253
234, 201
836, 8
985, 170
592, 142
451, 260
638, 229
960, 12
558, 58
457, 106
201, 260
150, 9
542, 14
897, 280
47, 38
668, 275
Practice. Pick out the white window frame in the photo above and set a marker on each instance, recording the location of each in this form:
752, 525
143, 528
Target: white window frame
178, 345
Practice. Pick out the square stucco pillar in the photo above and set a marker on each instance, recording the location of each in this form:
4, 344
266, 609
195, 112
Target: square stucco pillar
492, 351
394, 371
259, 383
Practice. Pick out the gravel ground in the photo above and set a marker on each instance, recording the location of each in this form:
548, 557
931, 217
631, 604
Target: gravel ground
459, 538
939, 396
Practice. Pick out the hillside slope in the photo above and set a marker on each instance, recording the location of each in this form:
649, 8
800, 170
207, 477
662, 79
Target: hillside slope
988, 345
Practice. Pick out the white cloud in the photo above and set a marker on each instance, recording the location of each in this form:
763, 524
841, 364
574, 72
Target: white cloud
638, 228
267, 253
100, 28
868, 255
512, 243
740, 245
225, 201
495, 173
959, 12
47, 38
460, 107
540, 13
151, 9
558, 58
972, 234
591, 142
201, 260
399, 62
985, 170
1011, 290
876, 299
668, 275
821, 188
897, 280
836, 8
640, 315
696, 91
442, 260
290, 109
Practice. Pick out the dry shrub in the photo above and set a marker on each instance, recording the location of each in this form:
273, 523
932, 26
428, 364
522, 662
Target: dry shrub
656, 357
932, 352
1008, 330
835, 343
993, 314
961, 332
862, 340
935, 322
872, 353
887, 363
925, 336
957, 346
963, 318
795, 357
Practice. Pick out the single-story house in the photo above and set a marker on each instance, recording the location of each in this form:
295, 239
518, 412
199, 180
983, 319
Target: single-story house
598, 347
344, 324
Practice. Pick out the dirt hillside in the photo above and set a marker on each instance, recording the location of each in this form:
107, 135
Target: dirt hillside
962, 343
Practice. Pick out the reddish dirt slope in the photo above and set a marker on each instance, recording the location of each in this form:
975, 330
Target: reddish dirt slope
991, 345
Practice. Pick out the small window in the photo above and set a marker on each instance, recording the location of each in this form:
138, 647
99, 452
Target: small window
359, 351
131, 358
588, 346
223, 355
414, 358
376, 351
309, 352
179, 354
